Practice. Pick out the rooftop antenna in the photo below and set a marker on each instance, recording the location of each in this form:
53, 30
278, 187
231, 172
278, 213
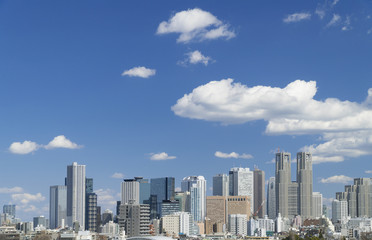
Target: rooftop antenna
278, 151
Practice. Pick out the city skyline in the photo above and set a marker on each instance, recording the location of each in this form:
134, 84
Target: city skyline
128, 89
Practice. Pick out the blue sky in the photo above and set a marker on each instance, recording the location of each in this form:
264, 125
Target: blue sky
71, 90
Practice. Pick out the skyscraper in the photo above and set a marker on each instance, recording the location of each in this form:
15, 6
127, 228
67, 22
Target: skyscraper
130, 191
282, 182
161, 189
75, 182
305, 184
144, 188
339, 210
57, 206
221, 185
259, 192
196, 185
10, 209
90, 206
317, 205
241, 183
271, 198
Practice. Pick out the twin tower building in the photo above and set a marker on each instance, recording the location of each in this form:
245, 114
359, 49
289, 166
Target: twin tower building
293, 198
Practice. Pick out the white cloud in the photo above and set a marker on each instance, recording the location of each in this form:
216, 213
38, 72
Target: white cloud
337, 179
368, 171
347, 24
195, 24
142, 72
105, 198
344, 126
297, 17
11, 190
369, 31
25, 198
28, 146
195, 57
161, 156
320, 12
336, 19
23, 148
335, 2
232, 155
117, 175
62, 142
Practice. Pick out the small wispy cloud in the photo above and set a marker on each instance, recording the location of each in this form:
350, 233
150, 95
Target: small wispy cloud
347, 24
297, 17
141, 72
117, 175
195, 57
161, 156
337, 179
368, 171
232, 155
11, 190
25, 198
336, 19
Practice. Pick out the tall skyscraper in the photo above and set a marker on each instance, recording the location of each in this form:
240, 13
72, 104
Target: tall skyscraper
317, 205
10, 209
196, 185
161, 189
305, 184
144, 188
282, 182
57, 206
271, 198
90, 206
241, 183
259, 193
75, 182
221, 185
130, 191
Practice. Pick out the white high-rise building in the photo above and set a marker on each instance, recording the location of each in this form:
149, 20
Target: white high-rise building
317, 208
238, 224
241, 183
196, 185
221, 185
130, 191
282, 182
271, 198
57, 206
305, 184
75, 182
339, 210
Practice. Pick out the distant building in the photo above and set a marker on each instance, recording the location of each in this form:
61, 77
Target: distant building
239, 205
160, 189
259, 193
91, 212
196, 185
169, 207
271, 199
75, 182
221, 185
282, 182
130, 191
339, 210
57, 206
135, 219
107, 216
10, 209
305, 184
40, 221
241, 183
184, 201
238, 224
144, 189
317, 205
216, 213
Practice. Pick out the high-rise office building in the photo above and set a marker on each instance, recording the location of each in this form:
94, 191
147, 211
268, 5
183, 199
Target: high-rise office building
241, 183
144, 189
259, 193
135, 219
216, 213
339, 210
317, 205
238, 224
221, 185
57, 206
90, 206
239, 205
271, 198
130, 191
107, 216
196, 185
358, 197
169, 207
40, 222
10, 209
183, 198
305, 184
98, 219
160, 189
75, 182
282, 182
293, 199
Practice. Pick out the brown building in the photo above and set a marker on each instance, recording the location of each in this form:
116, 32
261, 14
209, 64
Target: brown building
220, 207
